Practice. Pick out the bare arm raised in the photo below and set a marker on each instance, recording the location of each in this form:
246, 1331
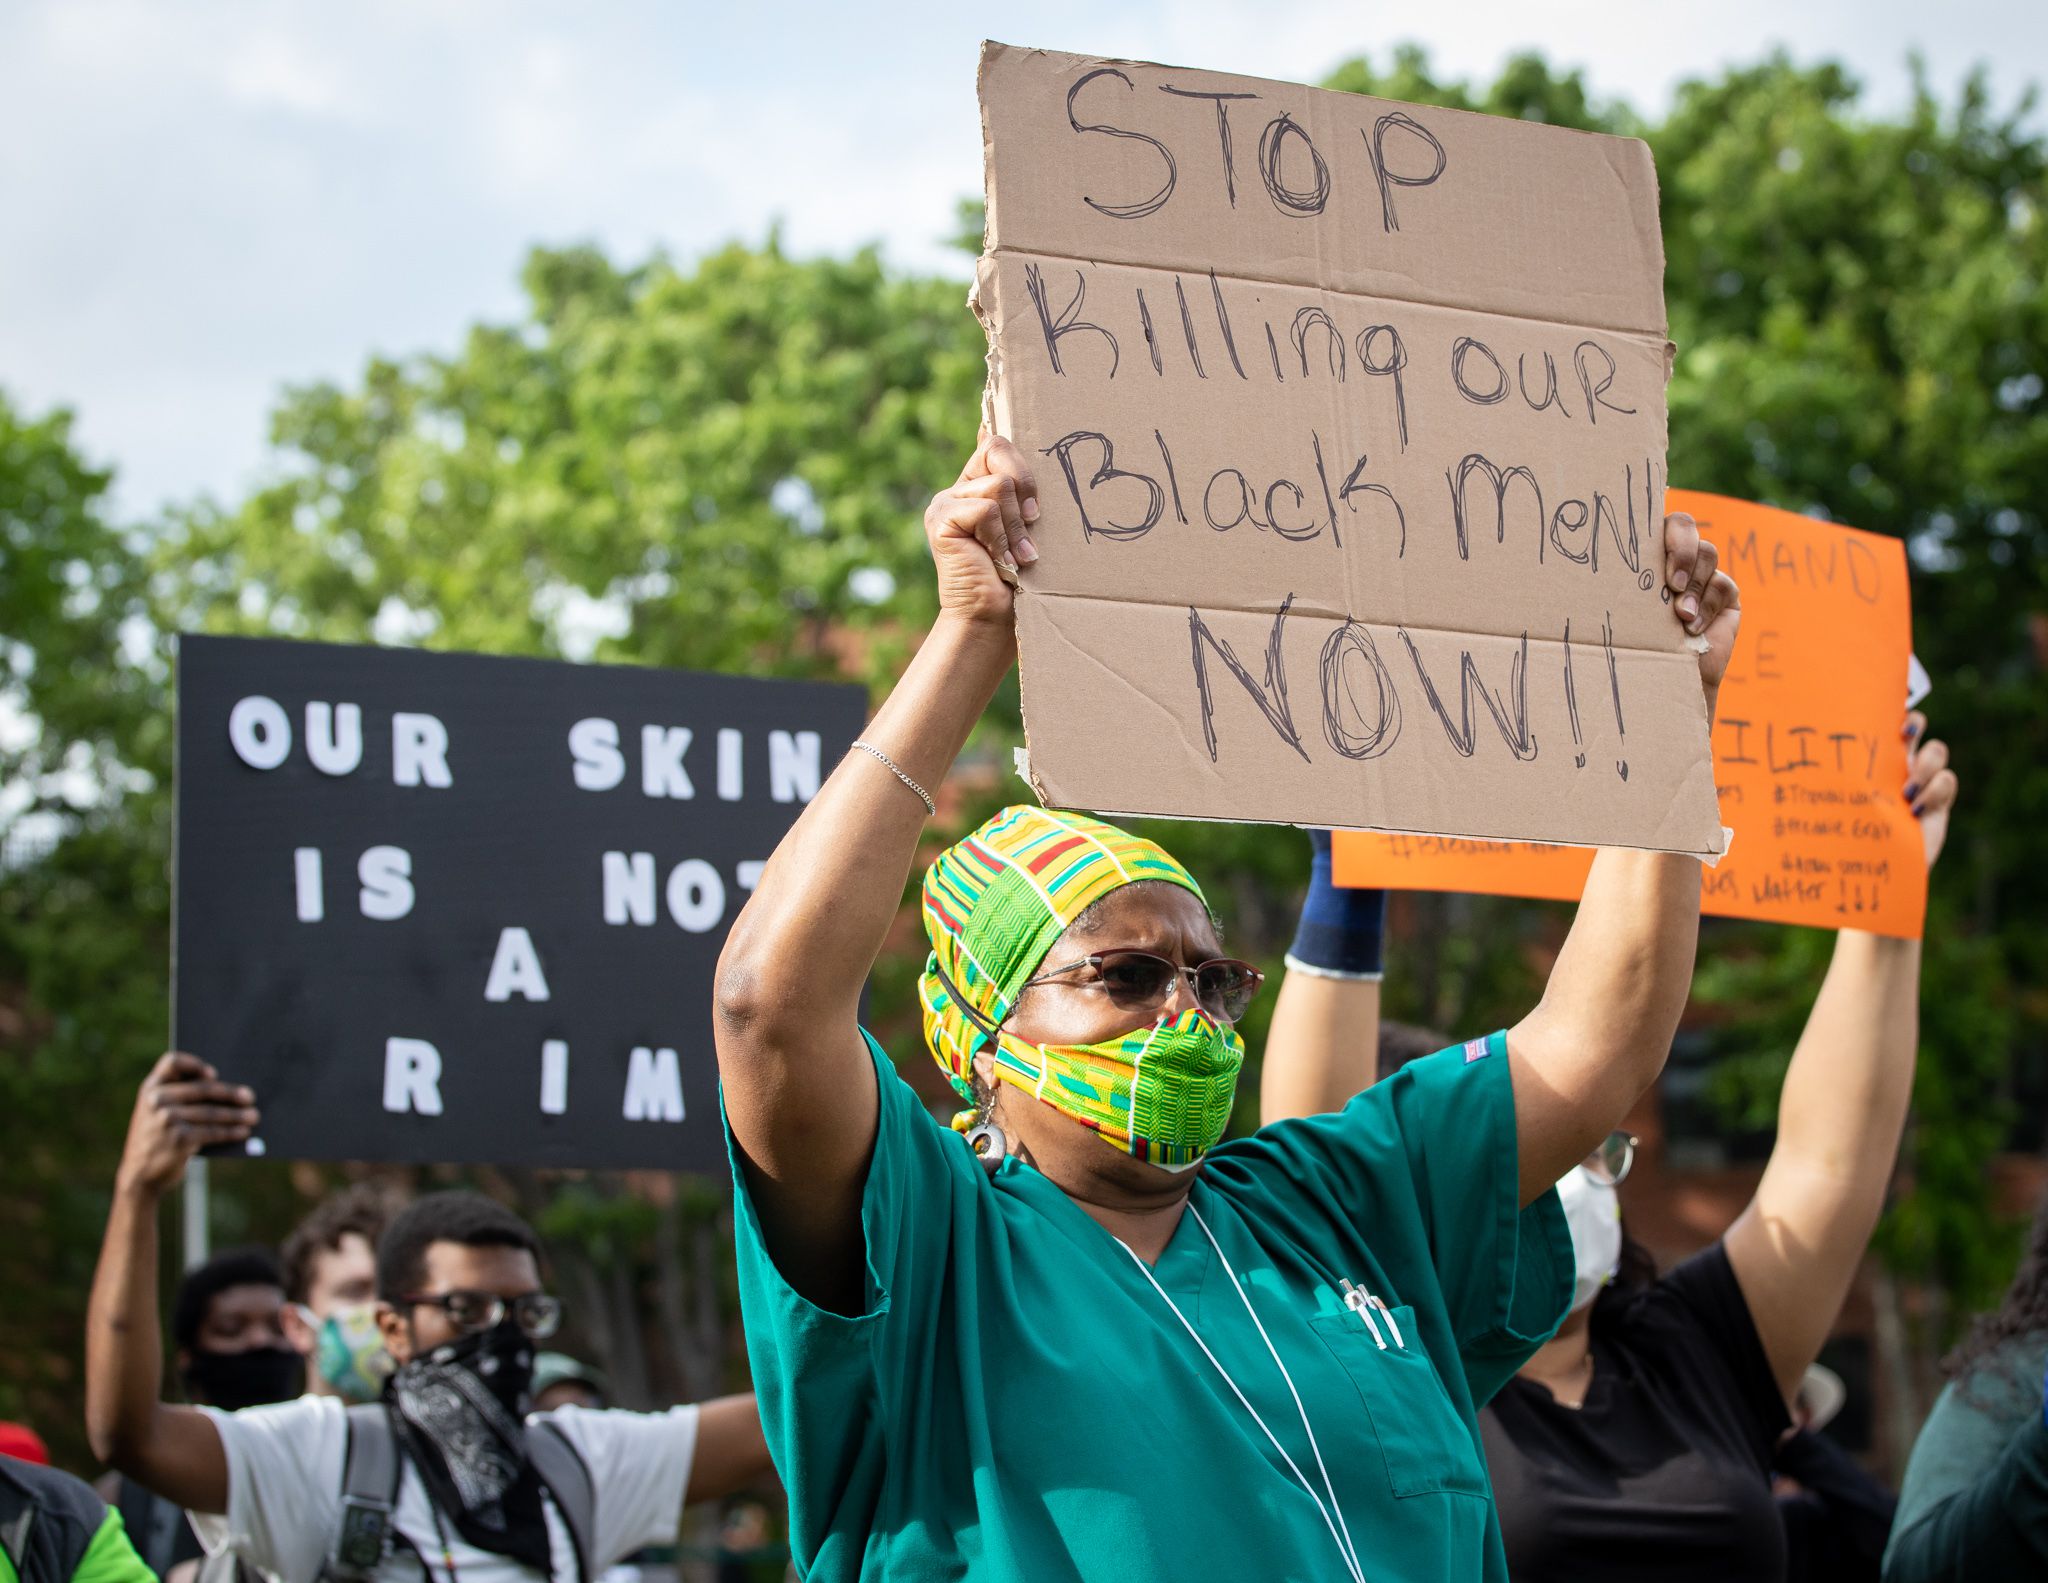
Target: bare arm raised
732, 1452
799, 1089
176, 1451
1601, 1033
1796, 1246
1322, 1046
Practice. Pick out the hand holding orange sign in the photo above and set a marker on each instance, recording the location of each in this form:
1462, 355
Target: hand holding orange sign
1809, 756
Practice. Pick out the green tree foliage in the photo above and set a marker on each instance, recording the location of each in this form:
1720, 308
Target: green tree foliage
1862, 312
727, 462
83, 942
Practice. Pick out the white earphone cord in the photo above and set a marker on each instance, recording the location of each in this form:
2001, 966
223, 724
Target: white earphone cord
1342, 1539
1307, 1427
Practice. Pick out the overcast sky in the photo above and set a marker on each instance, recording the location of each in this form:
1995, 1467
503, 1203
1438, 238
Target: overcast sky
206, 201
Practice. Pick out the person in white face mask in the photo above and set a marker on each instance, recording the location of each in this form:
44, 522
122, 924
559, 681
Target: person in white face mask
1638, 1441
1592, 1211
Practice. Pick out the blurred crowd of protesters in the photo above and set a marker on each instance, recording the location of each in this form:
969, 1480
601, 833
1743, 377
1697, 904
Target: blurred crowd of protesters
371, 1405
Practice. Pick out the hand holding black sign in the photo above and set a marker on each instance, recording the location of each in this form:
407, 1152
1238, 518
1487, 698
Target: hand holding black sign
443, 907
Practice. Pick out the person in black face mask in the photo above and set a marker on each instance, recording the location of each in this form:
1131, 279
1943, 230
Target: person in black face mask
228, 1326
231, 1353
478, 1488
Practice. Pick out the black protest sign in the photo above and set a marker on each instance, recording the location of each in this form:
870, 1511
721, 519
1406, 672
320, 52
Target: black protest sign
445, 907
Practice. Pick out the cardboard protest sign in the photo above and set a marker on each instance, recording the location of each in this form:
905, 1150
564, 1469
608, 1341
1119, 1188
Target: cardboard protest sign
442, 907
1806, 745
1349, 424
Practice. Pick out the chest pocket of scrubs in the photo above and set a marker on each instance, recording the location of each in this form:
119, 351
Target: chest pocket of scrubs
1427, 1448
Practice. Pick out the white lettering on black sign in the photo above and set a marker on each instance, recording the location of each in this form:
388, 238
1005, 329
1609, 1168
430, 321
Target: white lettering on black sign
441, 907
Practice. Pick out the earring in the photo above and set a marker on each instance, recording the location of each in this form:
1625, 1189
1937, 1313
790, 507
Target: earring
986, 1139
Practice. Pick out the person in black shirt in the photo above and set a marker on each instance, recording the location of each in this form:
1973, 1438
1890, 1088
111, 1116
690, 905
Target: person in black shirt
1838, 1518
1638, 1441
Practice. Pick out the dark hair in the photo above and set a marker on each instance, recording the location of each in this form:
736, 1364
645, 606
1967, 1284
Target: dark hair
201, 1284
1402, 1042
359, 1211
1635, 1272
469, 1219
2022, 1311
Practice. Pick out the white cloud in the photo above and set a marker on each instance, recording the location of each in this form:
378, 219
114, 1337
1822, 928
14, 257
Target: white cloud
270, 71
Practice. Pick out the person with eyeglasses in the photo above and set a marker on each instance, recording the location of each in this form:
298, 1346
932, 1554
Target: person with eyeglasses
1639, 1440
1094, 1339
462, 1309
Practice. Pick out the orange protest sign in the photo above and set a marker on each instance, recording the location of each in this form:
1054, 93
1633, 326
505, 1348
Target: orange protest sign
1808, 758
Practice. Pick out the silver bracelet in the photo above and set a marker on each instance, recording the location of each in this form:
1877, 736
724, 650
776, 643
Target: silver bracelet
923, 796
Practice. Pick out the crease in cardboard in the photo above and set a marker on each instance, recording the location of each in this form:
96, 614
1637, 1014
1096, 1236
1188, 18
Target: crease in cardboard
1657, 337
1305, 607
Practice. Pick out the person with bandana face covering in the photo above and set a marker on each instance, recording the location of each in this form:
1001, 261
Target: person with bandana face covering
460, 1309
1091, 1338
1639, 1440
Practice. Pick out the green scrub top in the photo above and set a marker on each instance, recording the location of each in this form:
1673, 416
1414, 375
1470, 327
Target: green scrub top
1015, 1401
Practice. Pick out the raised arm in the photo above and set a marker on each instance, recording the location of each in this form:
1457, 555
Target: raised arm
732, 1452
1796, 1246
1323, 1045
175, 1451
799, 1089
1601, 1033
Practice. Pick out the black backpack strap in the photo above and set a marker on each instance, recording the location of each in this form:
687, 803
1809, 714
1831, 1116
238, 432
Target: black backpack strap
369, 1494
17, 1527
568, 1481
48, 1520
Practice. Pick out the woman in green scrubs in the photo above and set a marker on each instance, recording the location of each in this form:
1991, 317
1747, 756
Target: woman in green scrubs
1091, 1342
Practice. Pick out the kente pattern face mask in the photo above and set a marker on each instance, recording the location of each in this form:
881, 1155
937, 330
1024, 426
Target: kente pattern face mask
1162, 1093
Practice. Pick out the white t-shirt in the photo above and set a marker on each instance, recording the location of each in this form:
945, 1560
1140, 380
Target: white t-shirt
284, 1493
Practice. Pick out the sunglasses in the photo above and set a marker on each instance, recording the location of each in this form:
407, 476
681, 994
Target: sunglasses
1139, 981
538, 1315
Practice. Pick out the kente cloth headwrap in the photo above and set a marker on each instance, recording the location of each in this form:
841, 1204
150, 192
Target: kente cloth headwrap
995, 901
